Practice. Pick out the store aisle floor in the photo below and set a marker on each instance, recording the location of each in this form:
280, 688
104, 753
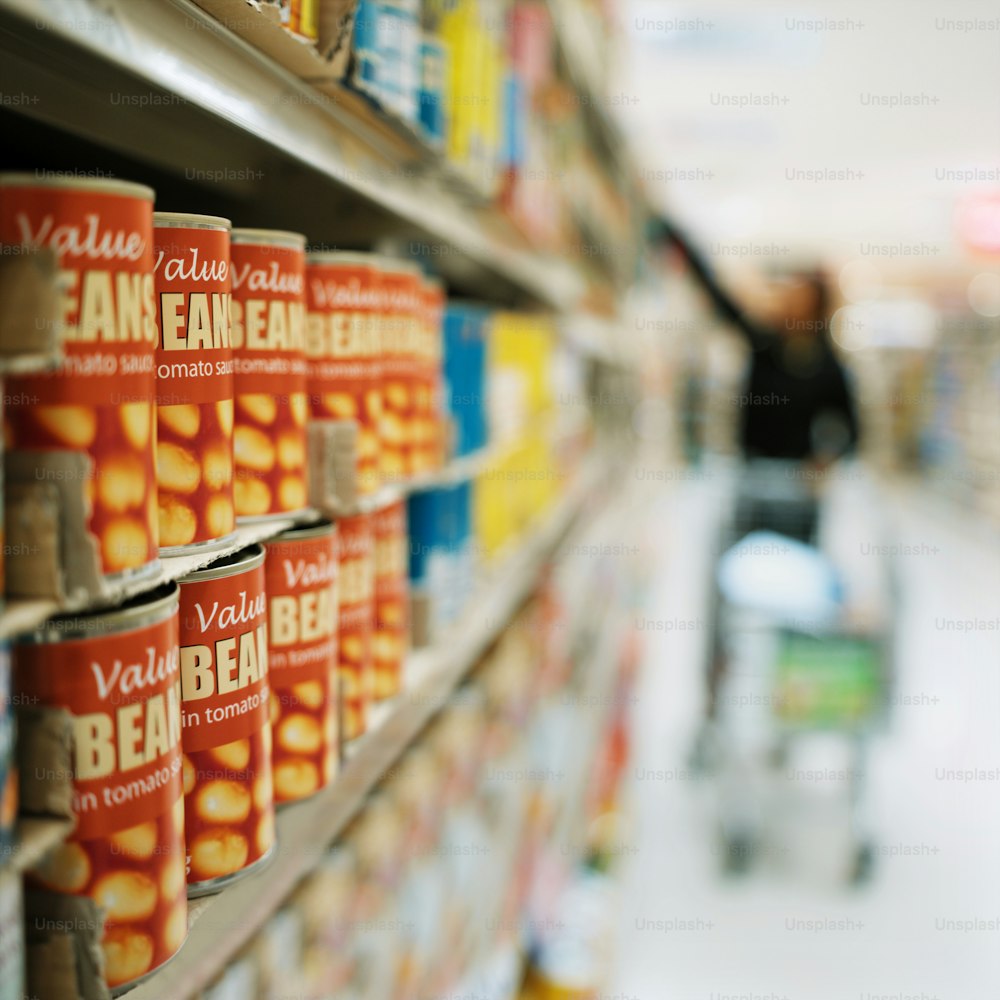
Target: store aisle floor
926, 926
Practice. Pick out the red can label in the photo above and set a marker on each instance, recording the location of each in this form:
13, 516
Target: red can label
127, 851
301, 578
226, 734
269, 437
194, 381
400, 348
356, 620
344, 349
100, 399
391, 599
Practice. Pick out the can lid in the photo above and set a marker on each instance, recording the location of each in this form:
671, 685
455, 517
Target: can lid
342, 257
270, 237
143, 609
228, 565
303, 531
185, 220
99, 185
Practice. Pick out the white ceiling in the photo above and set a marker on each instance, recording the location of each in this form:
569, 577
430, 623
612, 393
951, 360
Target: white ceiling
811, 91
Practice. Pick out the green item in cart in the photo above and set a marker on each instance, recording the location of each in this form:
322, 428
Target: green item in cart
827, 682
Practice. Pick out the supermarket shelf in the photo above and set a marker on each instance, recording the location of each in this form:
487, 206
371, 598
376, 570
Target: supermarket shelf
21, 615
226, 922
458, 470
28, 364
216, 123
35, 838
24, 615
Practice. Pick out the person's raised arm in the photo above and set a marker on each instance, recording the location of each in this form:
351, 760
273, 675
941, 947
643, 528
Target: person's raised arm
727, 308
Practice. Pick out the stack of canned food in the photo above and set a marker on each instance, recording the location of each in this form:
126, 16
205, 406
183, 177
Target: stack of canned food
195, 710
195, 358
196, 355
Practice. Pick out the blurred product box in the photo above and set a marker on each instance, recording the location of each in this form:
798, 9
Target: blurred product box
328, 902
239, 981
441, 558
432, 114
473, 32
466, 328
300, 17
526, 471
279, 950
387, 43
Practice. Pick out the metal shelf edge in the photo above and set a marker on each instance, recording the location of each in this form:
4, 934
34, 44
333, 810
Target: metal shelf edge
177, 47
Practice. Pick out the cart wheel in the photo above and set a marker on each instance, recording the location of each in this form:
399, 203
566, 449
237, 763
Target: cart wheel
738, 853
864, 864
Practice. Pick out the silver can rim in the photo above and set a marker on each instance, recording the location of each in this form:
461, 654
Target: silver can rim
304, 532
188, 220
269, 238
346, 257
148, 608
96, 185
230, 564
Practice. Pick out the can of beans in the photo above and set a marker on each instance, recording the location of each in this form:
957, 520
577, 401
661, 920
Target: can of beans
301, 578
269, 319
100, 400
344, 345
356, 619
116, 673
229, 812
426, 446
402, 287
391, 599
194, 382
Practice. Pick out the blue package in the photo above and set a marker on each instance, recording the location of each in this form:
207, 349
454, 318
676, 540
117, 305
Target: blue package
465, 375
433, 58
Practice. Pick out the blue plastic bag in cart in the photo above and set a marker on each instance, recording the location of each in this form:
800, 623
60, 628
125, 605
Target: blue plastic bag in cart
785, 580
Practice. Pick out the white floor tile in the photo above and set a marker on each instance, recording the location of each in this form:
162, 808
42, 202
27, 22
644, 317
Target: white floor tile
792, 928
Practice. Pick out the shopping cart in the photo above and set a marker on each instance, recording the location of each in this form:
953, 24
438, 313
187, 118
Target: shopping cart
784, 663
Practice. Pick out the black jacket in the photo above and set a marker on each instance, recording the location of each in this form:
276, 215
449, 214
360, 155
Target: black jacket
794, 403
